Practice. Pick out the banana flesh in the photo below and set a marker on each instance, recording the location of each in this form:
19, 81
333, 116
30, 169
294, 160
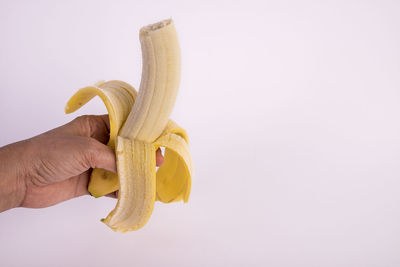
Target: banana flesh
139, 125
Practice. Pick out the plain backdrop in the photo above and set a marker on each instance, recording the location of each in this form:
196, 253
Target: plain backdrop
292, 109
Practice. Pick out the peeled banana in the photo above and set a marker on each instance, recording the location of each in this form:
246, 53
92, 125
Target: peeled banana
139, 125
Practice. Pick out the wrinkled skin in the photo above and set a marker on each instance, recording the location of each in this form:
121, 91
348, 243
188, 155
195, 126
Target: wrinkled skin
56, 165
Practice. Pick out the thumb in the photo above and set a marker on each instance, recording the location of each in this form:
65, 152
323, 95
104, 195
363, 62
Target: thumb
98, 155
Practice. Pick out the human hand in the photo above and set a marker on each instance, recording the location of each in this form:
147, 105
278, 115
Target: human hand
56, 165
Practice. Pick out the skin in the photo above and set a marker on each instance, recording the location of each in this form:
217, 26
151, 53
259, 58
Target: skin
55, 166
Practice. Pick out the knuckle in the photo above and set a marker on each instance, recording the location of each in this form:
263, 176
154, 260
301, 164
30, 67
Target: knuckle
91, 149
92, 145
86, 123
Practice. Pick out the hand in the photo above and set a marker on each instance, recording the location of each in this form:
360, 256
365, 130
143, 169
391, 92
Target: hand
55, 166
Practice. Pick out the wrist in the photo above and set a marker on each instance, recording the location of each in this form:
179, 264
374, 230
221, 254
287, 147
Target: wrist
12, 178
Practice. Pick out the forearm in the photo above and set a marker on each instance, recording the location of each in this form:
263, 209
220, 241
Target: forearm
12, 186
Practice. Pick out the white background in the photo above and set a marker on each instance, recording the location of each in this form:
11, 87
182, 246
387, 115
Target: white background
292, 108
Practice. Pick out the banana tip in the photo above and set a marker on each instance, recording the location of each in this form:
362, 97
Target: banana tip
67, 109
155, 26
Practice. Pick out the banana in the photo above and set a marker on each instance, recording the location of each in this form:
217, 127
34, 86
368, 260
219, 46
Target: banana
139, 125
